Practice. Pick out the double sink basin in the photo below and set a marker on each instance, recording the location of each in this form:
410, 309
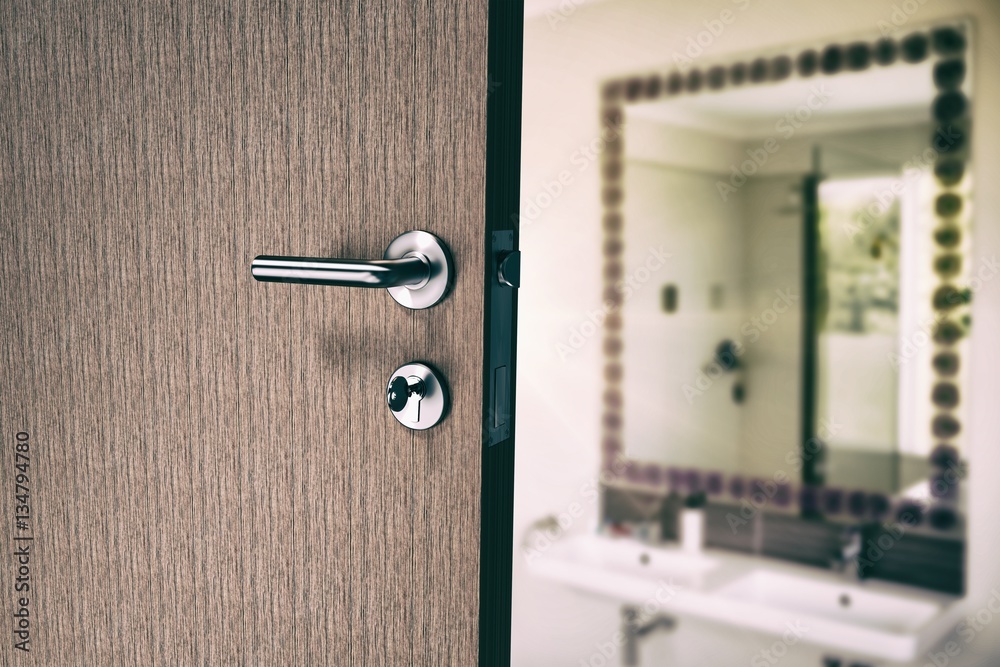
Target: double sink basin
872, 618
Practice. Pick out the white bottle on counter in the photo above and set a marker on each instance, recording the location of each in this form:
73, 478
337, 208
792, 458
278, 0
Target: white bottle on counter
692, 525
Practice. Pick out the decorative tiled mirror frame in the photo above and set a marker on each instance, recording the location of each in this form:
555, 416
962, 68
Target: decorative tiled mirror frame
947, 45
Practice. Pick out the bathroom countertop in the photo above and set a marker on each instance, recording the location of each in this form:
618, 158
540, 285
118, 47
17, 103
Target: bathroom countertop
736, 588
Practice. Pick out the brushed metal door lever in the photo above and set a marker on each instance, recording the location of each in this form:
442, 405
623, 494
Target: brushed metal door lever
416, 270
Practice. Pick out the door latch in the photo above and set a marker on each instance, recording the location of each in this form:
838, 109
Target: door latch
505, 277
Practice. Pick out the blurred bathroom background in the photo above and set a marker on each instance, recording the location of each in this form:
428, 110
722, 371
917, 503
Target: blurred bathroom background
756, 403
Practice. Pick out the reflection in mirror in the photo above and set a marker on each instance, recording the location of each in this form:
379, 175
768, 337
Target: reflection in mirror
857, 321
789, 228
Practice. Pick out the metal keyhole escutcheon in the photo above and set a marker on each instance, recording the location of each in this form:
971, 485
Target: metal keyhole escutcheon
417, 396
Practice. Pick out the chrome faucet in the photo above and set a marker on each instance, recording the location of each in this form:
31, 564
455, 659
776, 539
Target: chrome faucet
634, 629
846, 561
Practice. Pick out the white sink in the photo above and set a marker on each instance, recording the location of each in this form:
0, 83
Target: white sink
846, 604
625, 555
898, 625
621, 568
874, 619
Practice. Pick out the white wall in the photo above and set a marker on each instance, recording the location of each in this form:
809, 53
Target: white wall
559, 398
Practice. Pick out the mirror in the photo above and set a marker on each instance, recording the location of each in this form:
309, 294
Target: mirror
784, 236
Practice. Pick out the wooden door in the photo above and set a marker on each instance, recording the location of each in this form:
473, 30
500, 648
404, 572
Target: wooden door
210, 473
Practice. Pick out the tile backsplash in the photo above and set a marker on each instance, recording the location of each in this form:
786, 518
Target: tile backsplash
914, 555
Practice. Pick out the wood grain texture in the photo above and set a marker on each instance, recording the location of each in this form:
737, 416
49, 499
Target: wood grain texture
216, 479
